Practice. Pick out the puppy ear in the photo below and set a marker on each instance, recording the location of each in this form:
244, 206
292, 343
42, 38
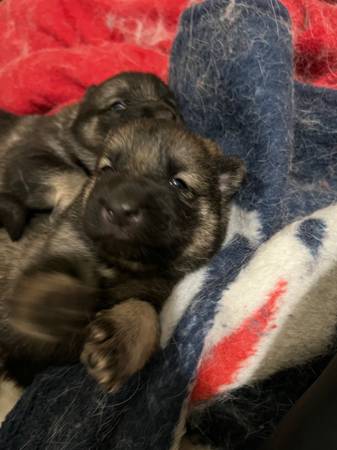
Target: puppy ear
232, 174
232, 169
13, 215
86, 100
91, 89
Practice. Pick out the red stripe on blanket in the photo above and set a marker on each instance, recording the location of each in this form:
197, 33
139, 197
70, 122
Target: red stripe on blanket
226, 358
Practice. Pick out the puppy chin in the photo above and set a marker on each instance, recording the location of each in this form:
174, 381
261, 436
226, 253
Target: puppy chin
144, 252
114, 252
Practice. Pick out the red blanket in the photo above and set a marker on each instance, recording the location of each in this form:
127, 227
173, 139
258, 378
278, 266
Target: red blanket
50, 51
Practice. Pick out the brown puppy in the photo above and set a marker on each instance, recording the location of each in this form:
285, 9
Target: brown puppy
155, 209
45, 160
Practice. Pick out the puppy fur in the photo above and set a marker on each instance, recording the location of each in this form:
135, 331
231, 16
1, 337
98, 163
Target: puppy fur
91, 284
45, 160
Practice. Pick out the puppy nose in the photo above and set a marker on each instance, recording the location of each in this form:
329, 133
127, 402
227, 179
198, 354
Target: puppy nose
123, 214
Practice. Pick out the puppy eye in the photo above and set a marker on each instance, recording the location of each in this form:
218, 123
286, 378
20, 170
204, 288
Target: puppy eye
105, 168
178, 183
118, 106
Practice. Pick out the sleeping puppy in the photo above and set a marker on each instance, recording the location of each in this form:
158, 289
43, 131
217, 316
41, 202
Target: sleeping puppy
92, 285
45, 160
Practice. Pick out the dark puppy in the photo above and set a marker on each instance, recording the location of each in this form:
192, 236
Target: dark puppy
155, 209
46, 159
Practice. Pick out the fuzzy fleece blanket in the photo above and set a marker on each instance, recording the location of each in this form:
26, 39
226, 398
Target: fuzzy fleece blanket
267, 301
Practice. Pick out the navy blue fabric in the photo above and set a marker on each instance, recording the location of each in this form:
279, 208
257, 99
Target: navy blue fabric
311, 232
232, 72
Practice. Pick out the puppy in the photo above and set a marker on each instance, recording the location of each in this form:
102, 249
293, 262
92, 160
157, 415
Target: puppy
92, 285
45, 160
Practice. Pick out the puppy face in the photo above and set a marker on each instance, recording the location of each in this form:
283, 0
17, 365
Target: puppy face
130, 95
160, 195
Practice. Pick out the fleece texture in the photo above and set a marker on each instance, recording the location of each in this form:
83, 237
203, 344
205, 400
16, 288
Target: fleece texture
266, 302
51, 51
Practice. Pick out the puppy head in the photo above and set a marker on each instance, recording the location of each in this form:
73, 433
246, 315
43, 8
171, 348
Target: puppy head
160, 196
129, 95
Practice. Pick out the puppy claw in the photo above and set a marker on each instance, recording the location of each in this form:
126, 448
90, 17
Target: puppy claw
119, 343
104, 356
99, 335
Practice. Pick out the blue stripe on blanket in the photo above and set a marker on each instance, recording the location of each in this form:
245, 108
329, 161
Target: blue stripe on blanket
312, 232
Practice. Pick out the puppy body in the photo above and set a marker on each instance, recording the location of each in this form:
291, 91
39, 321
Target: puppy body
45, 160
93, 283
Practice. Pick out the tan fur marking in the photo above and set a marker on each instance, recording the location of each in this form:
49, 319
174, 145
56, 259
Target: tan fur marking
87, 190
202, 240
65, 188
104, 162
192, 180
10, 393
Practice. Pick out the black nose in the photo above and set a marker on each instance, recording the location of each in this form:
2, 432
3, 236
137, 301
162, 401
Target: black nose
122, 213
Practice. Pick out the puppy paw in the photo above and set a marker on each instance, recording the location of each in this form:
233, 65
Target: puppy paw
120, 341
106, 352
51, 306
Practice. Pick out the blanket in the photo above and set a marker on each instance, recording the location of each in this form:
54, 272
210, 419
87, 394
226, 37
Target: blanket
50, 52
266, 302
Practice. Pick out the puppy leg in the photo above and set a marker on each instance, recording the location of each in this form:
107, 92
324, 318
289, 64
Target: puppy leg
120, 342
51, 307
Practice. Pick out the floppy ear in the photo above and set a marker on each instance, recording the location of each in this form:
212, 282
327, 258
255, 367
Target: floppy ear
13, 215
231, 169
88, 95
90, 89
231, 175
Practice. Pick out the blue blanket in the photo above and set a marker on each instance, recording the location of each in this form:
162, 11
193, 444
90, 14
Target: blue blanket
232, 72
